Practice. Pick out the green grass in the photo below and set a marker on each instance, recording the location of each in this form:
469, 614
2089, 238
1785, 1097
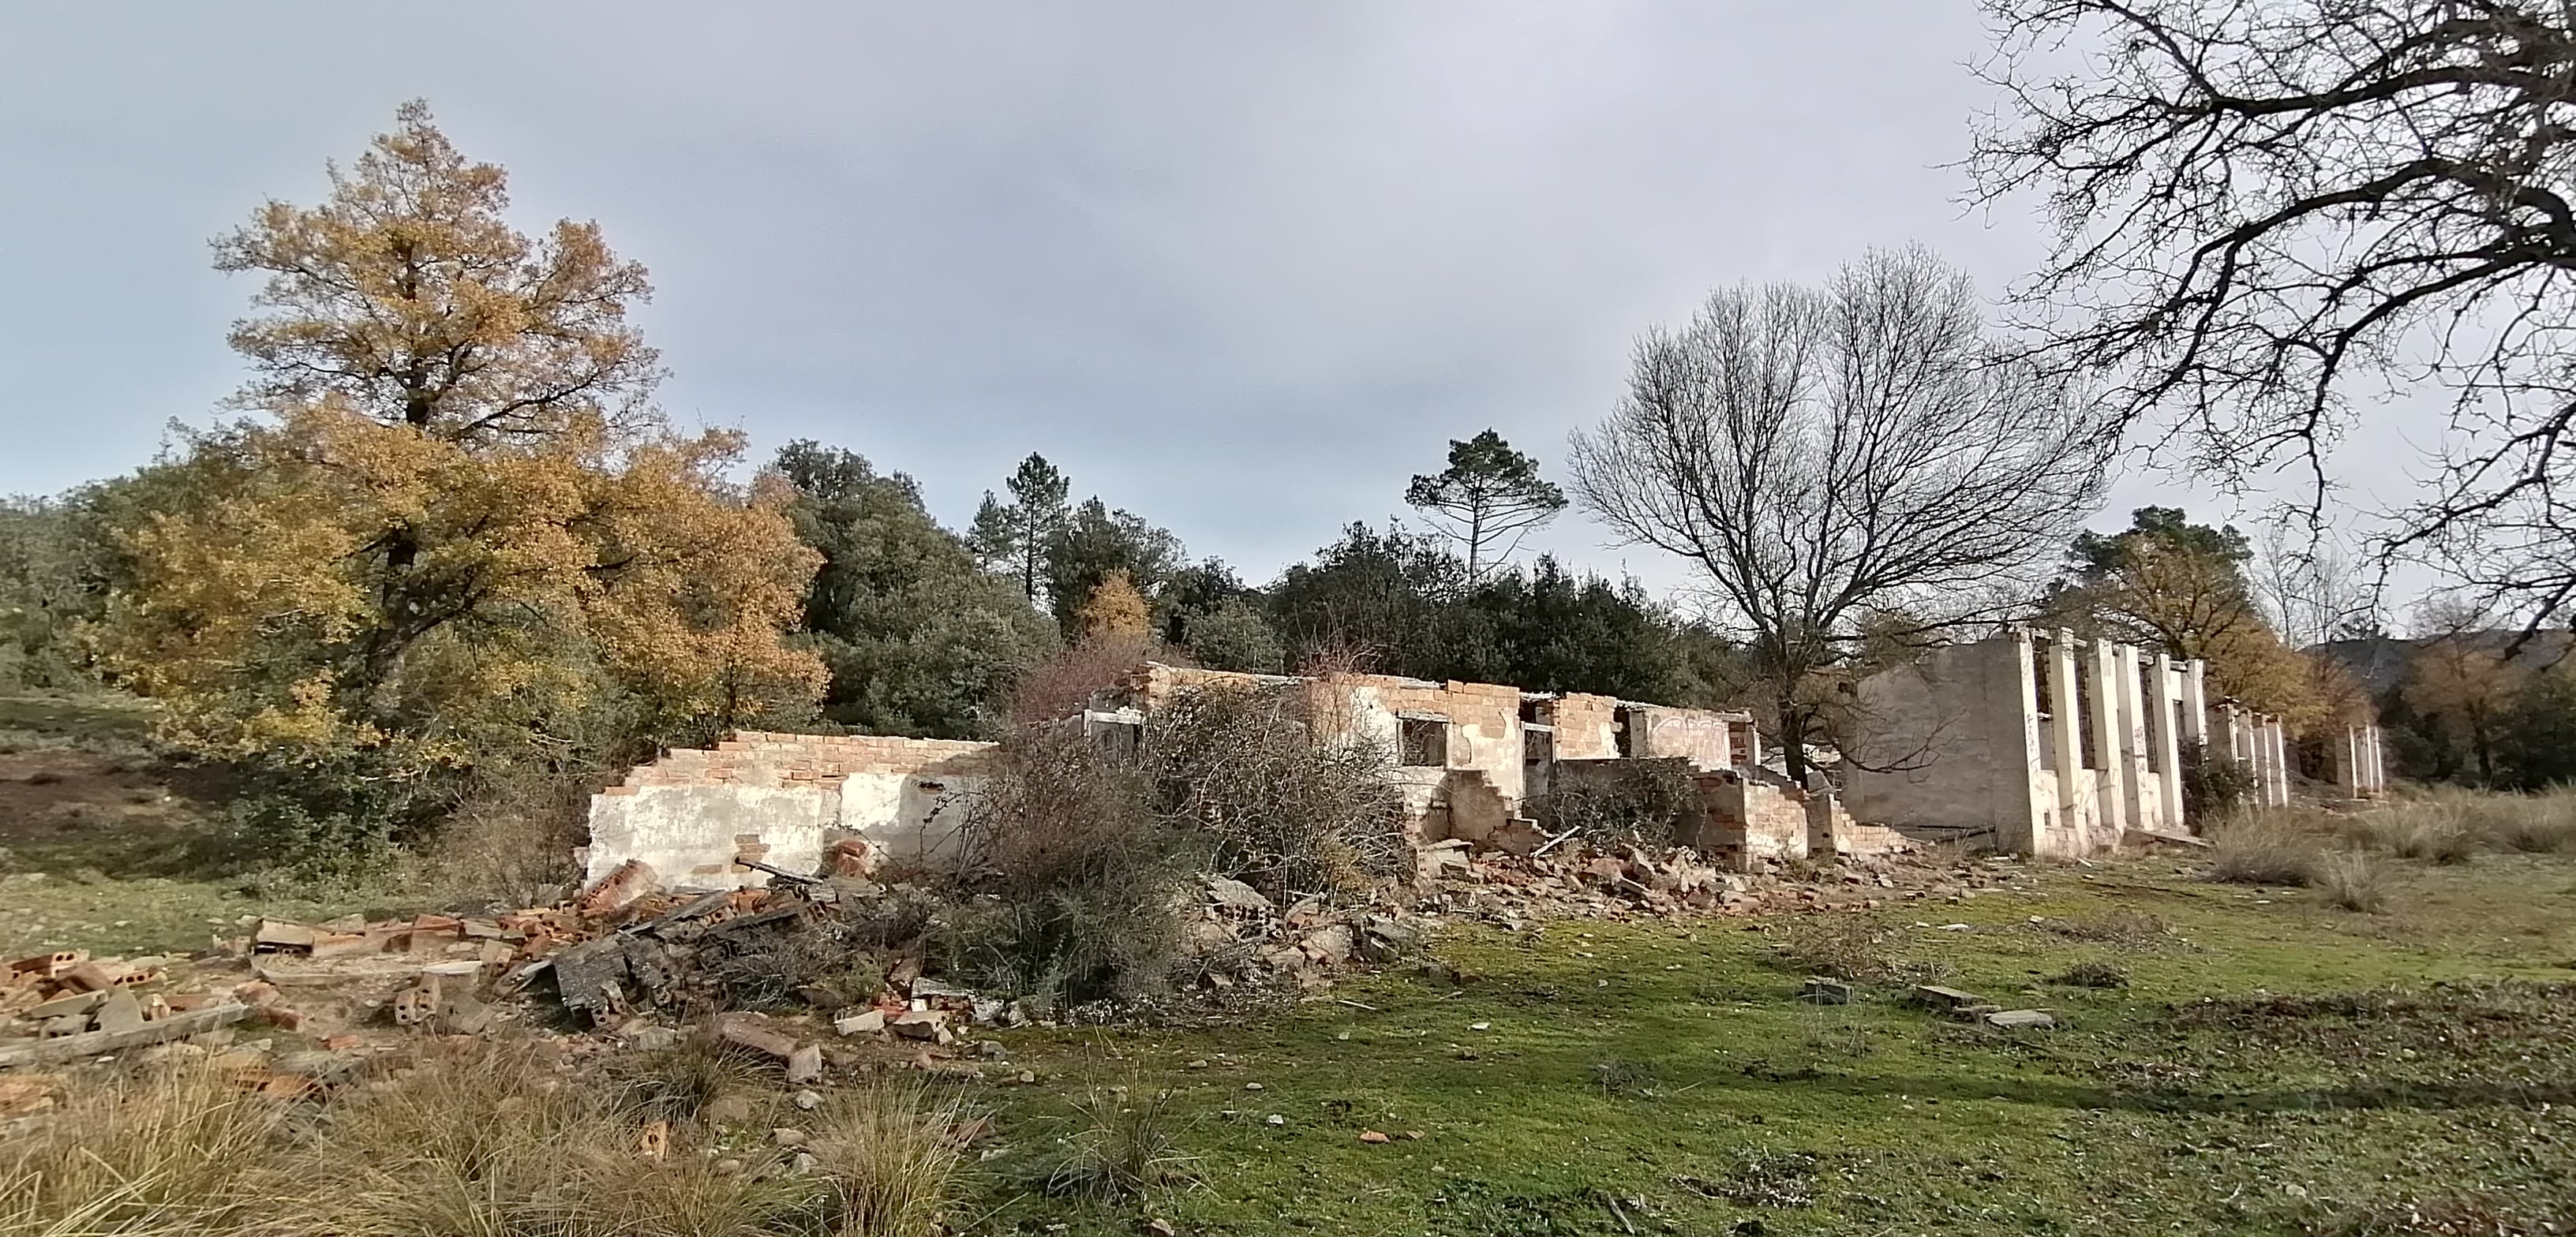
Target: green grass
2272, 1065
108, 847
2148, 1109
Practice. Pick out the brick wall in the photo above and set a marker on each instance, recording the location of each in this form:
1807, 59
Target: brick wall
781, 799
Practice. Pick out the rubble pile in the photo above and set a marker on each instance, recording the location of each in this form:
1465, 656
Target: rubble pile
630, 961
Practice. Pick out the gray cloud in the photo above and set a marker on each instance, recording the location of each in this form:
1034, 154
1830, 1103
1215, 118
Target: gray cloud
1240, 268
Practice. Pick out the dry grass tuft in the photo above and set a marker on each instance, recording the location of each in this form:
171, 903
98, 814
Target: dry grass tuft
2264, 850
2531, 824
498, 1142
1122, 1150
181, 1151
2351, 880
892, 1159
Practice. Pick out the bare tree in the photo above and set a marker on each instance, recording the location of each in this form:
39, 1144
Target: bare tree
2312, 590
2269, 212
1846, 460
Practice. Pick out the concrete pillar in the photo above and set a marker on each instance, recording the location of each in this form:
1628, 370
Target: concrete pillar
2195, 704
2347, 762
2066, 734
2378, 763
2168, 705
2280, 764
2018, 806
2258, 757
2145, 802
2112, 779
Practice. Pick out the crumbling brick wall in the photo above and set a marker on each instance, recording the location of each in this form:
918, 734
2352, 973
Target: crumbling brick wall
1742, 820
782, 799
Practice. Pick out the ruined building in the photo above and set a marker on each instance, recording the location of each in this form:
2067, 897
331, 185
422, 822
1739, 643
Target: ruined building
2032, 742
2041, 743
1473, 760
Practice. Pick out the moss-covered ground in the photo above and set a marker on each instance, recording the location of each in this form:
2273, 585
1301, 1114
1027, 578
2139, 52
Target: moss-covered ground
2271, 1065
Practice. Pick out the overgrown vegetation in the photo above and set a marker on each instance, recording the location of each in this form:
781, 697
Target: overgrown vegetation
1080, 861
494, 1140
1628, 801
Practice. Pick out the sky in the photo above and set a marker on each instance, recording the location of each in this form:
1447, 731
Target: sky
1240, 268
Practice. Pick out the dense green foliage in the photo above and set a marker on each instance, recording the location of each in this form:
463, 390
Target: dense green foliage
1405, 605
920, 639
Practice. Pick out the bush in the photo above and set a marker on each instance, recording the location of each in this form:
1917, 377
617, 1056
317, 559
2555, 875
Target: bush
1079, 865
2351, 880
1283, 811
2263, 850
2213, 786
1070, 877
1649, 802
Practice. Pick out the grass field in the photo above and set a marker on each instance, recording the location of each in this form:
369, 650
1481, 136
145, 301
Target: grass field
2237, 1058
2271, 1066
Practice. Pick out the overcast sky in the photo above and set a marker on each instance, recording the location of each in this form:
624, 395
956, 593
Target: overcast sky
1242, 268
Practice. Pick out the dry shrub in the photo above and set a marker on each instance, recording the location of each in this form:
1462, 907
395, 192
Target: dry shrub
2351, 880
1078, 863
1069, 876
1064, 685
2263, 849
1284, 810
1848, 947
2125, 928
2093, 973
1624, 801
2532, 824
179, 1151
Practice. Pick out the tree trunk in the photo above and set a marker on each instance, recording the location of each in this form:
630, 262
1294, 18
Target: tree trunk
1793, 740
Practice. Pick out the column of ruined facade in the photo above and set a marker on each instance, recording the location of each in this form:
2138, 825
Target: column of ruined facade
2195, 704
2378, 769
2146, 802
2280, 764
2112, 779
2066, 732
2168, 745
2017, 804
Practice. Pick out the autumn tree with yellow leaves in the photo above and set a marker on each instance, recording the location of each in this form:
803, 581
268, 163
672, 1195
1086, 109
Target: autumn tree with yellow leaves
455, 535
2169, 584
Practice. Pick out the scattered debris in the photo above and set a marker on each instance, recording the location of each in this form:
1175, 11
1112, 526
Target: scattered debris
2022, 1019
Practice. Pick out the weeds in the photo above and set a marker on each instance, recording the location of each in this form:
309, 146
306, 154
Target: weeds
2263, 850
2351, 880
2093, 974
1122, 1149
